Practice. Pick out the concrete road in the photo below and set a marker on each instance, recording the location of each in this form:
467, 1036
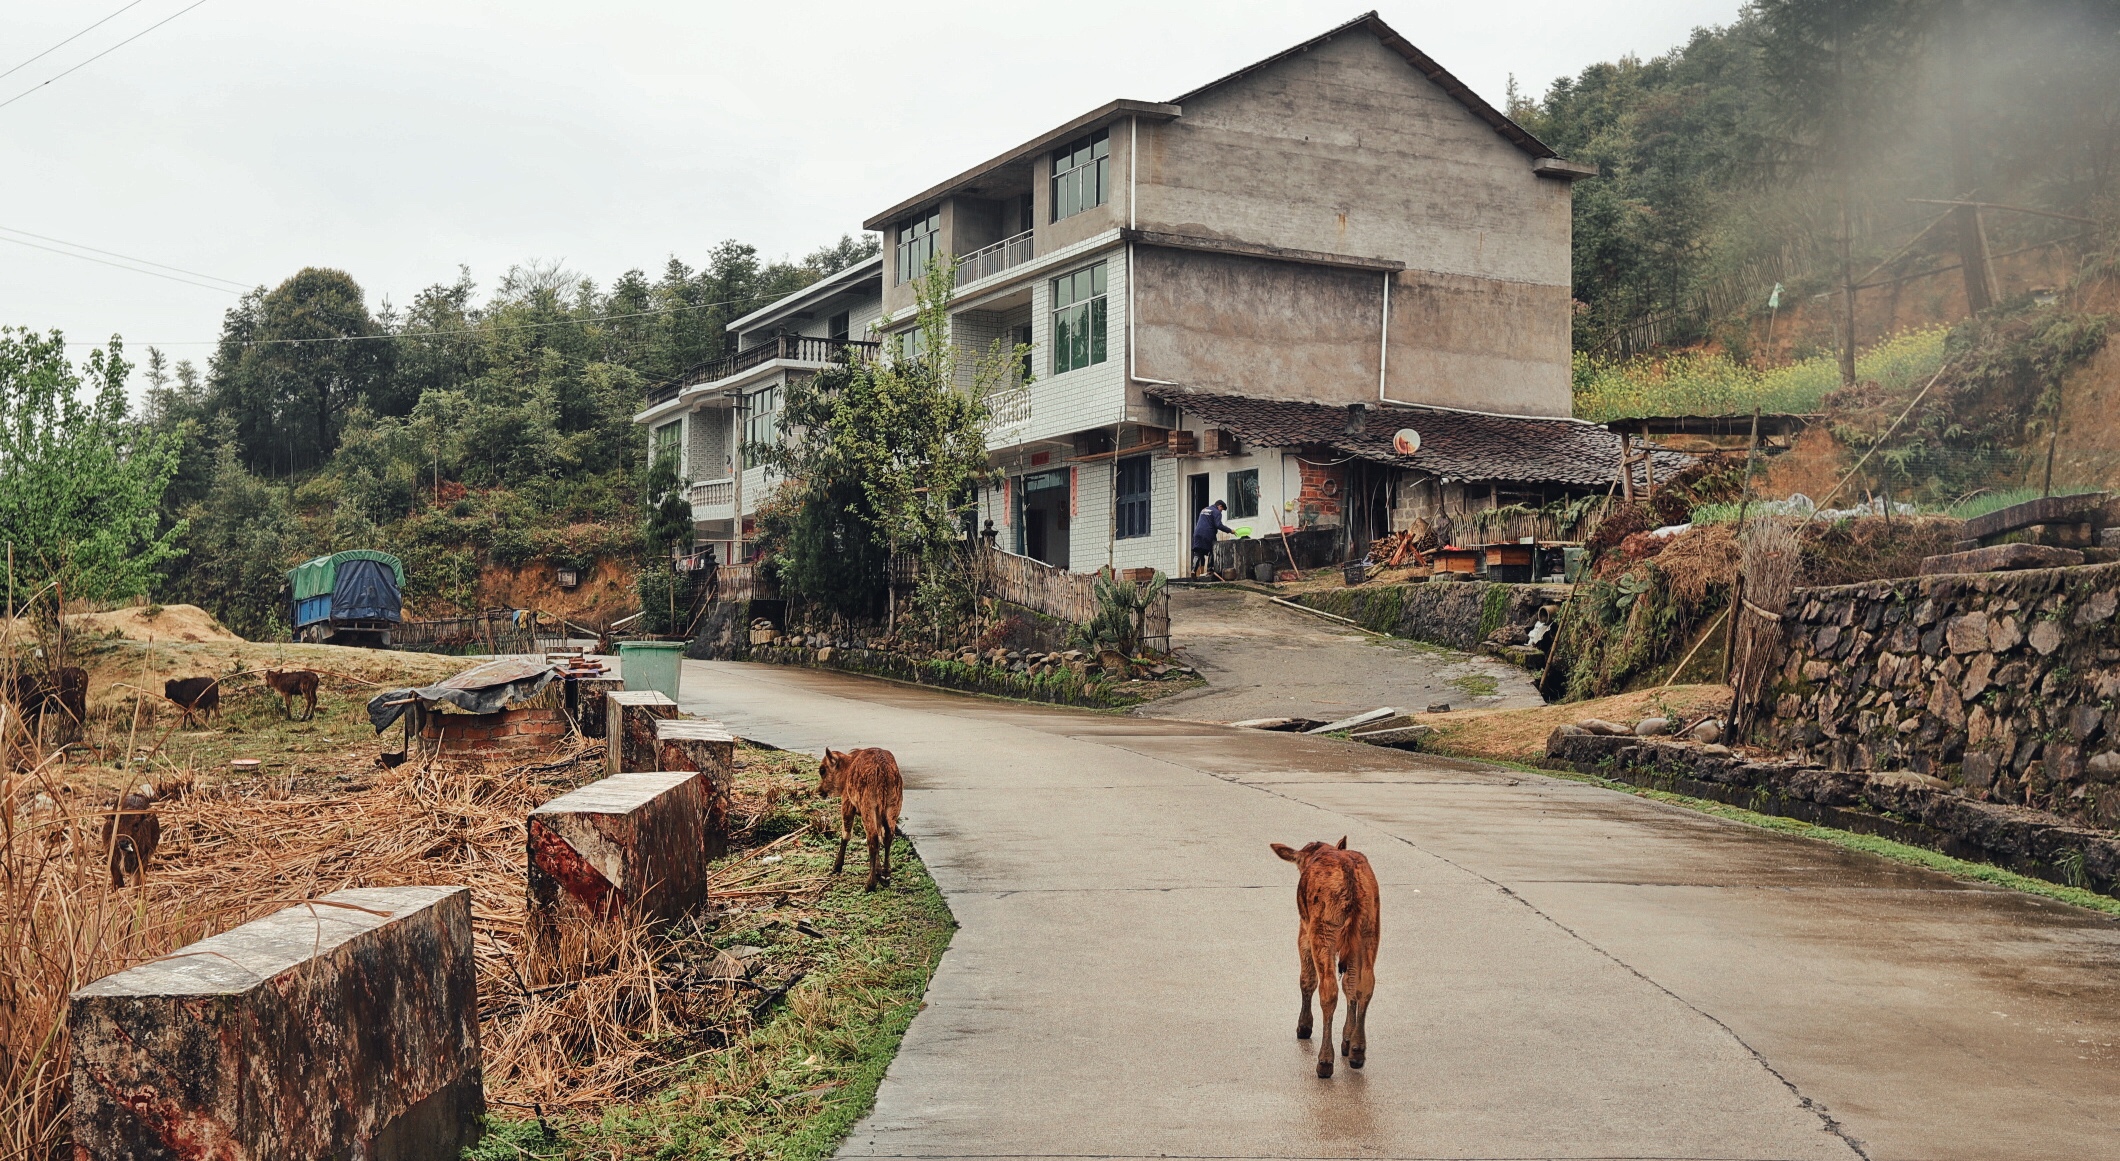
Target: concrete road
1263, 660
1566, 972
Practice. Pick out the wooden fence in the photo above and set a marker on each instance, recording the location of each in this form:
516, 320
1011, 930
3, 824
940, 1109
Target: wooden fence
488, 631
1056, 592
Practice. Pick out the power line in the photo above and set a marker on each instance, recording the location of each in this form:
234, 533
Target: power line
69, 40
119, 265
394, 335
106, 52
241, 286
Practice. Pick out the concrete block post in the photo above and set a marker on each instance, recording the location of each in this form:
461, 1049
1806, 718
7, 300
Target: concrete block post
630, 843
630, 728
347, 1027
589, 705
709, 748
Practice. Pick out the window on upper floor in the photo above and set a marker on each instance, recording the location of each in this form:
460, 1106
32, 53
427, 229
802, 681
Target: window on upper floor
835, 328
908, 345
1082, 175
1243, 488
1078, 319
1131, 505
666, 443
917, 239
761, 418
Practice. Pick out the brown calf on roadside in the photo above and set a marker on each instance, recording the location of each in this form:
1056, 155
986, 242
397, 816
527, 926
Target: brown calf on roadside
198, 697
291, 684
1336, 935
130, 835
869, 787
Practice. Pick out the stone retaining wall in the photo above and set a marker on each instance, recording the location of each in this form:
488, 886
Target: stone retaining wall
1058, 689
1459, 614
1908, 807
2002, 685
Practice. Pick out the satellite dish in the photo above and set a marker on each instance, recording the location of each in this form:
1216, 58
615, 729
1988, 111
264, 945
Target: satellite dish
1406, 442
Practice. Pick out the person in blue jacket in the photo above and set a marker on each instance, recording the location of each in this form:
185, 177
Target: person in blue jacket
1204, 529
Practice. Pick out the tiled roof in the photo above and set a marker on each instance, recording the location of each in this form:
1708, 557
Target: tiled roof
1459, 445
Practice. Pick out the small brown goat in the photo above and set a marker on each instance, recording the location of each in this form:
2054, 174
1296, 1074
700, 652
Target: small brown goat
198, 697
291, 684
1336, 935
130, 835
869, 787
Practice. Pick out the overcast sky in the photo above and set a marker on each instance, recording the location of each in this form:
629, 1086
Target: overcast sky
399, 140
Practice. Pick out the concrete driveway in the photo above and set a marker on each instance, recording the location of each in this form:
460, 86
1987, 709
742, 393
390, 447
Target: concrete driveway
1566, 972
1263, 660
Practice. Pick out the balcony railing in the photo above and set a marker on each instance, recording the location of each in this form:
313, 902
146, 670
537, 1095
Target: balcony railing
709, 494
1008, 408
795, 348
991, 260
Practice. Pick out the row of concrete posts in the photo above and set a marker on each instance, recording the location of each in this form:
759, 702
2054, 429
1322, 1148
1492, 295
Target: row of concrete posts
347, 1026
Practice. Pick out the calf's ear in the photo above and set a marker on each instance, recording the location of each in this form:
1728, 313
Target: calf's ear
1285, 851
1343, 842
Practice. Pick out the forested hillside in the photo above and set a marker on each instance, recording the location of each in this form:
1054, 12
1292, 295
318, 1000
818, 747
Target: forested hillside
464, 432
1807, 144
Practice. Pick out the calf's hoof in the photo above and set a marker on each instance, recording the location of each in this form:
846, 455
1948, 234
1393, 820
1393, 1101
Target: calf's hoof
1356, 1058
1324, 1069
1302, 1031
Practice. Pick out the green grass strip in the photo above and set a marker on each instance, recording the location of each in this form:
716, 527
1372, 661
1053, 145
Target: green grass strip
1869, 844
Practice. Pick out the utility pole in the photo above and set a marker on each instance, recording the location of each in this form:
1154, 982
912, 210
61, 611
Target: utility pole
1972, 234
1843, 158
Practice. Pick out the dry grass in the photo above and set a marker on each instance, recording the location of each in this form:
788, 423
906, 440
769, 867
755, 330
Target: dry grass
1520, 735
619, 1014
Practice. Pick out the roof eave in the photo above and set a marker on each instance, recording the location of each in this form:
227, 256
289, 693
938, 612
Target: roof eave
825, 287
1441, 77
1103, 114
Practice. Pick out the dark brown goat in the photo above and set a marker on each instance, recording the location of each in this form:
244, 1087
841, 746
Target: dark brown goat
130, 836
291, 684
198, 697
1336, 935
869, 786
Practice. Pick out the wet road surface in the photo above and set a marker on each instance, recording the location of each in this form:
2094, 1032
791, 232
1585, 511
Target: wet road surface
1262, 660
1566, 971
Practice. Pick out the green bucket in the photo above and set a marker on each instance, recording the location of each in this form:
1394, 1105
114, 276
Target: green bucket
645, 665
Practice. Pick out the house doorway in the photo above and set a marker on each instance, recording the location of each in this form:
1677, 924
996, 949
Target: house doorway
1042, 517
1196, 493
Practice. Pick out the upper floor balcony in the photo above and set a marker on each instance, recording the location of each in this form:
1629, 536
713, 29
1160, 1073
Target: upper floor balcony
988, 261
793, 348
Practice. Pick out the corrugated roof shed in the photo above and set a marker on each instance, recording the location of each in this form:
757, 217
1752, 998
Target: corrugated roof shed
1458, 445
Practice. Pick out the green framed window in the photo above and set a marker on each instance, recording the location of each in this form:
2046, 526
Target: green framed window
1130, 507
1243, 488
1082, 175
761, 418
917, 240
1078, 319
666, 443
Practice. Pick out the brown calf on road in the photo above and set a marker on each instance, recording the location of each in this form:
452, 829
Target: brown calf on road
869, 787
1336, 936
291, 684
198, 697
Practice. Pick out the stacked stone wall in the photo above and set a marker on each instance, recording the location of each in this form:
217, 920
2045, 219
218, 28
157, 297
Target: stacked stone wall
1459, 614
2002, 684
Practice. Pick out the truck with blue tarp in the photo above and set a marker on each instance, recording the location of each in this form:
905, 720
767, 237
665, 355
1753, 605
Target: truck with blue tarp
347, 598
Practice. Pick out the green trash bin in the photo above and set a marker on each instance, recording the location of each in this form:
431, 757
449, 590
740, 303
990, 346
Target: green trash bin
645, 665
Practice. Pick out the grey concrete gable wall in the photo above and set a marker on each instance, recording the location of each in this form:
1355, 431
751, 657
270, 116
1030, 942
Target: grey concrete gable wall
1347, 149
